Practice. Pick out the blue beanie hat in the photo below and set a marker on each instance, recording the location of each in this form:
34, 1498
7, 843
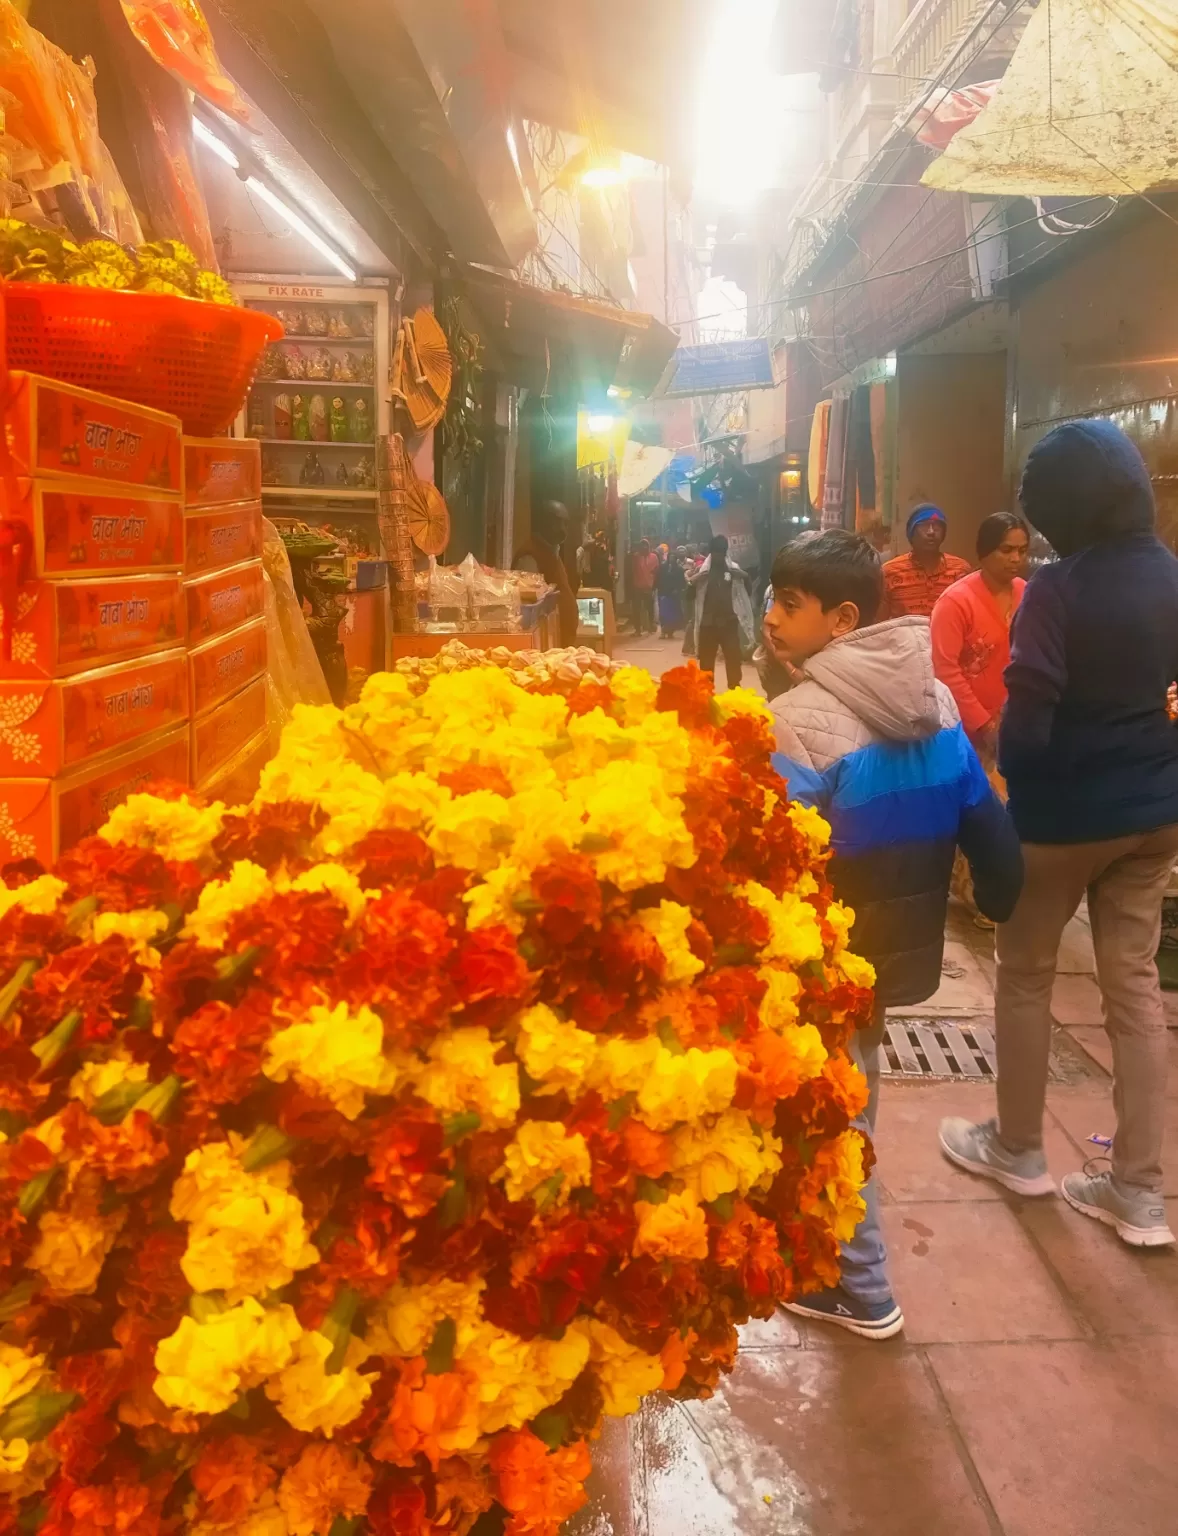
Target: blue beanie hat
926, 514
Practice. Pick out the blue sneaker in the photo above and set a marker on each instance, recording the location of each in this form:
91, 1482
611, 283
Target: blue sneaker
869, 1319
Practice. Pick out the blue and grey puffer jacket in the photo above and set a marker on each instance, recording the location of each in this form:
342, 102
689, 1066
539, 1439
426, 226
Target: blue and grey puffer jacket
874, 742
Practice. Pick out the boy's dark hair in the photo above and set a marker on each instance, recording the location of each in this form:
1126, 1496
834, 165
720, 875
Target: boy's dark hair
835, 566
992, 531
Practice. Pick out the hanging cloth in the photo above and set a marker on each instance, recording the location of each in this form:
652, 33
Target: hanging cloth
836, 452
816, 464
861, 452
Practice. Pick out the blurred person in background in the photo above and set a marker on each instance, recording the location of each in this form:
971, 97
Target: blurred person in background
913, 582
644, 569
719, 586
672, 583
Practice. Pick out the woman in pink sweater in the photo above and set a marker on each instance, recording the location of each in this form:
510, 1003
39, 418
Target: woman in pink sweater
971, 645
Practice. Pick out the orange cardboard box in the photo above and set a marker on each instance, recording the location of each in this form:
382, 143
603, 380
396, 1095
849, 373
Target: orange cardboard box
221, 470
41, 817
224, 600
225, 664
228, 536
50, 728
69, 626
237, 782
57, 429
86, 528
221, 732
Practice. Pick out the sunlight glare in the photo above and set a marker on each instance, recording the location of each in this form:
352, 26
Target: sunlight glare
740, 113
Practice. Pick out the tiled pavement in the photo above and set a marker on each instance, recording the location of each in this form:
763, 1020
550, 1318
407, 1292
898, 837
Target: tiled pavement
1034, 1393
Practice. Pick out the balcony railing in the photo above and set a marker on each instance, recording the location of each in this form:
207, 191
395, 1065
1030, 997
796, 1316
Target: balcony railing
937, 36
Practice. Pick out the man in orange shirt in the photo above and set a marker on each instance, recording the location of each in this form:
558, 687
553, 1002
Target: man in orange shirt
913, 582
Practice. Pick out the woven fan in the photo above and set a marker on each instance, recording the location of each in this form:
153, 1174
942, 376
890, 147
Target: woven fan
429, 518
425, 373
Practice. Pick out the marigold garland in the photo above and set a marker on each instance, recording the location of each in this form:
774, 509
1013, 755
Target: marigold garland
363, 1148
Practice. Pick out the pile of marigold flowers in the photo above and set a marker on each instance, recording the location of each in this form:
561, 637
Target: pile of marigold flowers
365, 1147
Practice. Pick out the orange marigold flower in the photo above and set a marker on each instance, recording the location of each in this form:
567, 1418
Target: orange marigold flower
489, 966
471, 777
689, 693
540, 1490
231, 1476
430, 1416
127, 1155
648, 1151
326, 1483
116, 1509
675, 1354
405, 1156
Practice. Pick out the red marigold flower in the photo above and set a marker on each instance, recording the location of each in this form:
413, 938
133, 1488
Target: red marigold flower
100, 981
185, 979
444, 891
301, 933
570, 898
539, 1489
487, 965
393, 858
218, 1049
367, 1254
632, 958
121, 1508
231, 1475
127, 1155
154, 1284
124, 878
749, 1245
750, 737
590, 694
405, 1156
398, 1508
275, 833
471, 777
689, 693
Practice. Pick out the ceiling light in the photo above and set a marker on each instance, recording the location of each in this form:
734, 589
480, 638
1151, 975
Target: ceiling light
604, 170
295, 219
600, 424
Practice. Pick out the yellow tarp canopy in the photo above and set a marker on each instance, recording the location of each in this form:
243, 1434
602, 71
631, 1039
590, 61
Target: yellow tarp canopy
1087, 108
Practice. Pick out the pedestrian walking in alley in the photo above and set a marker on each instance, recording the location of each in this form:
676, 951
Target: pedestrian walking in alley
672, 583
600, 567
872, 739
720, 592
691, 564
644, 568
1091, 760
971, 650
913, 582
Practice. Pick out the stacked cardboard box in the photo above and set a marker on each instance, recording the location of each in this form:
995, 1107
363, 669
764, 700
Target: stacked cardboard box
225, 608
95, 700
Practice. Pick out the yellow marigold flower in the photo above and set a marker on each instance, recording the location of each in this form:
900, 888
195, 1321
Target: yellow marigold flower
812, 825
856, 970
794, 934
626, 1374
328, 1482
39, 897
626, 804
622, 1066
175, 829
71, 1250
411, 801
313, 735
743, 701
541, 1151
728, 1157
25, 1468
336, 1053
246, 1233
331, 880
842, 920
19, 1373
138, 928
779, 1006
411, 1313
220, 901
668, 923
676, 1229
492, 900
636, 691
205, 1367
686, 1087
462, 1074
546, 824
473, 831
662, 742
832, 1187
518, 1379
810, 1053
554, 1051
314, 1401
90, 1082
264, 1519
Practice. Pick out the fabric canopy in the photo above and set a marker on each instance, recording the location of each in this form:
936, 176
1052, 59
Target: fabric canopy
1087, 108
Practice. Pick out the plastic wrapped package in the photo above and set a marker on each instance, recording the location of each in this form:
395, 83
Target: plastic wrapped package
176, 35
295, 675
494, 597
449, 594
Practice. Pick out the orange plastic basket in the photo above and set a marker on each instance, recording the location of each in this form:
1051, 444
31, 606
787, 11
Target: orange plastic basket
192, 359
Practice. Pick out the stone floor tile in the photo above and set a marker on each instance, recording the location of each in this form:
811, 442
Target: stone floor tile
968, 1272
1094, 1042
614, 1499
1087, 1109
781, 1331
1076, 1000
1070, 1439
841, 1442
1119, 1291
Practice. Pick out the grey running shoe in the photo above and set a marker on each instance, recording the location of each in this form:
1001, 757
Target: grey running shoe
976, 1148
1139, 1215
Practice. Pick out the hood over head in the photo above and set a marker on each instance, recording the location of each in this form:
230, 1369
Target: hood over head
884, 675
1085, 482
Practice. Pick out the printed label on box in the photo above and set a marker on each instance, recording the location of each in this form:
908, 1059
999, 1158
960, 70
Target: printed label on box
222, 666
220, 470
55, 429
225, 600
228, 537
225, 729
70, 626
79, 532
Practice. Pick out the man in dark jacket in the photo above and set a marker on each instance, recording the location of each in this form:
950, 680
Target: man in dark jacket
872, 739
1091, 761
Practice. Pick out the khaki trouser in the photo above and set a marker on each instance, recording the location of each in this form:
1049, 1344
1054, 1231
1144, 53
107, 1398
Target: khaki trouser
1125, 880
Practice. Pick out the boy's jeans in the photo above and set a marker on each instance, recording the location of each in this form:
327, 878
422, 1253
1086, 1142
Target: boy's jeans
865, 1257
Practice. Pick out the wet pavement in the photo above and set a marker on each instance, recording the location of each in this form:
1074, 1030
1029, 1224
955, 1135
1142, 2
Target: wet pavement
1035, 1390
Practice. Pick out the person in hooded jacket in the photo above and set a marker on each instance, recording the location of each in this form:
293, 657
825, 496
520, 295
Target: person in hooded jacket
1090, 758
872, 739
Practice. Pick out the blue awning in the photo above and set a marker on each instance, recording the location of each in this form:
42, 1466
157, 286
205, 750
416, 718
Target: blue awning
720, 368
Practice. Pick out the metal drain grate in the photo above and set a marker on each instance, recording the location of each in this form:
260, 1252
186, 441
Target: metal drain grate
938, 1048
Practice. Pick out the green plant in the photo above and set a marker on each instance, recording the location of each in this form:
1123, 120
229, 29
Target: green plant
460, 426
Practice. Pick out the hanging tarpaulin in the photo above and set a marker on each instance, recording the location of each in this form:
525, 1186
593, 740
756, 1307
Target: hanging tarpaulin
1087, 108
177, 36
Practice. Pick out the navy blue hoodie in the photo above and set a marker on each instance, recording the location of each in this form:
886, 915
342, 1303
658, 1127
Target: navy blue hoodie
1086, 746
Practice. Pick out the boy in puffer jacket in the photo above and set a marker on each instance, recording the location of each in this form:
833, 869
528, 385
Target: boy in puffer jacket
873, 741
